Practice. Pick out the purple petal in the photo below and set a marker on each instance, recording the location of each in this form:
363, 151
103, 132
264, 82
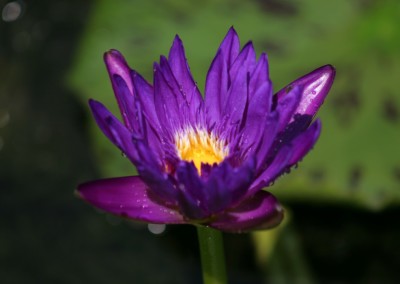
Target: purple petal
316, 86
165, 101
236, 100
260, 75
246, 60
145, 93
216, 88
230, 47
303, 143
193, 195
150, 169
257, 136
267, 139
127, 197
262, 211
118, 134
180, 68
186, 115
258, 107
130, 108
275, 169
116, 65
287, 106
227, 185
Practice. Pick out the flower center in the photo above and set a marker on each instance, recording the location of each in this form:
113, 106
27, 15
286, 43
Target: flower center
200, 147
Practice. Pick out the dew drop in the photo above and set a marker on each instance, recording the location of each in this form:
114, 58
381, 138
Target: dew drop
156, 229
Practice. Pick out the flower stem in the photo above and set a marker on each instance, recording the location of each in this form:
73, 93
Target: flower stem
212, 255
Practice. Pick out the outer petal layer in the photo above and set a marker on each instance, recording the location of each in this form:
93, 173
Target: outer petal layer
117, 67
127, 197
316, 86
263, 211
113, 129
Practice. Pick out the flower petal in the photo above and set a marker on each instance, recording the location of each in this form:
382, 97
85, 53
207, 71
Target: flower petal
275, 169
153, 174
236, 100
227, 185
193, 195
230, 47
145, 94
254, 120
180, 68
316, 86
287, 106
166, 102
117, 66
187, 114
267, 139
260, 75
130, 108
245, 61
262, 211
303, 143
216, 88
217, 82
118, 134
127, 197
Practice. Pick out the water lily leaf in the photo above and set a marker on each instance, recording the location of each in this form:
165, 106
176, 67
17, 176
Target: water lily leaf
356, 160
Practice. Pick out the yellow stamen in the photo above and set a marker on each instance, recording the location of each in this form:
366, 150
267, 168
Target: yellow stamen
200, 147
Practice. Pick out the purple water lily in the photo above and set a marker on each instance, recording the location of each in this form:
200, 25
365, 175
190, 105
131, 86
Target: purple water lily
206, 161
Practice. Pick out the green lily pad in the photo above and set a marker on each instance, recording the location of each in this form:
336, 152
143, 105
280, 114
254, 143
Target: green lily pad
356, 159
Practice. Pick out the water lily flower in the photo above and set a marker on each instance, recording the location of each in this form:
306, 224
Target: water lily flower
206, 160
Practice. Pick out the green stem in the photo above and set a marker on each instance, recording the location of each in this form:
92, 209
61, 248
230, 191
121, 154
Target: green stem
212, 255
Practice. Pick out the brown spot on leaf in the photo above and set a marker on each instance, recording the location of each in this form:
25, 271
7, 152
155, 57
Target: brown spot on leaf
278, 7
365, 4
346, 105
272, 47
355, 176
390, 110
317, 175
396, 173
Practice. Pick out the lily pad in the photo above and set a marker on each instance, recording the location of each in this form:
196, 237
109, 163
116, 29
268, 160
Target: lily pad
356, 159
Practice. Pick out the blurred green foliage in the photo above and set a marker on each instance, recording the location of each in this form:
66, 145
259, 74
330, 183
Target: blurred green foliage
356, 159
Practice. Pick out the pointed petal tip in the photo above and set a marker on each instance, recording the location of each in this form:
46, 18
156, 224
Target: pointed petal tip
330, 68
327, 71
232, 31
94, 104
177, 40
316, 86
113, 55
